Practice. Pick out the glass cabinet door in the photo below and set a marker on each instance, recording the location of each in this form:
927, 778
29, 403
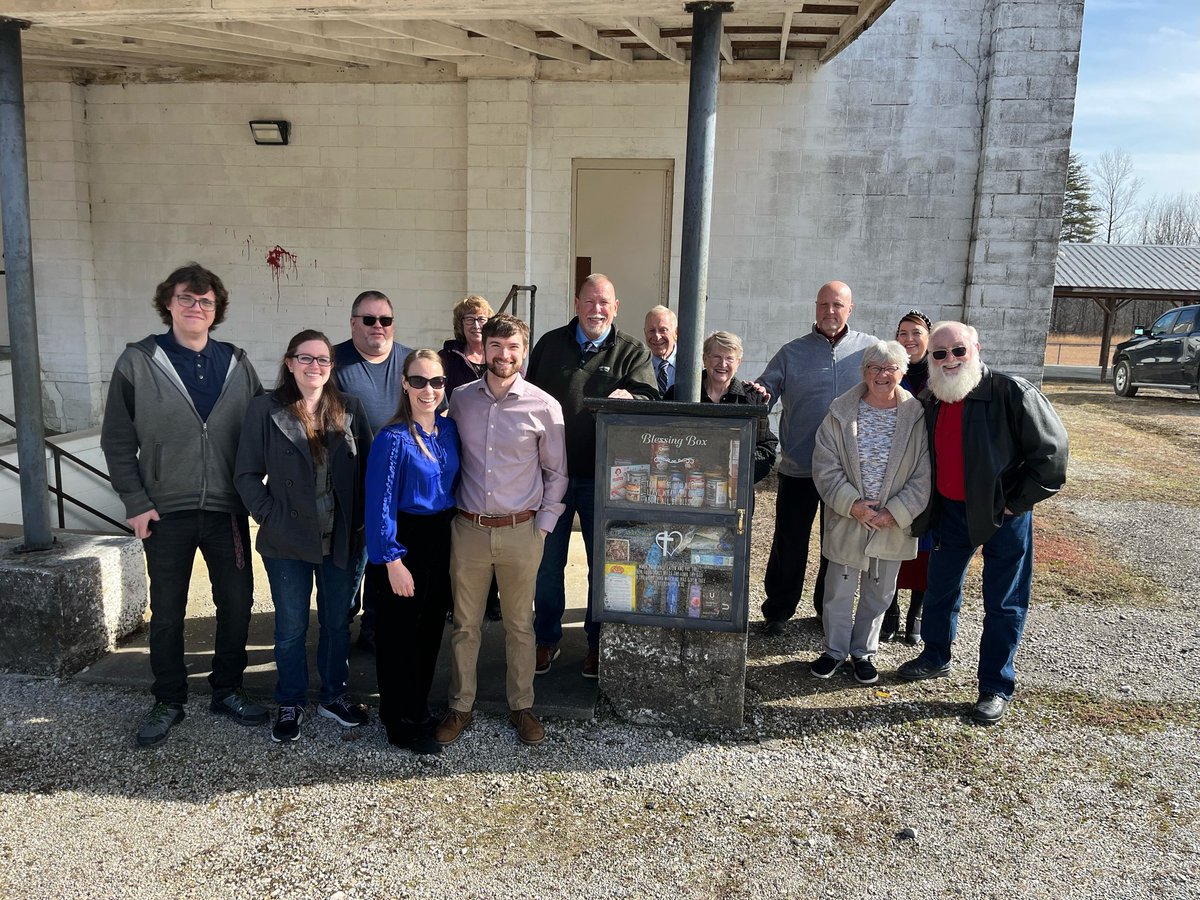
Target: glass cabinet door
672, 523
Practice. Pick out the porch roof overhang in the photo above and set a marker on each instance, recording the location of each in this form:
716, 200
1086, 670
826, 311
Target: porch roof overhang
422, 40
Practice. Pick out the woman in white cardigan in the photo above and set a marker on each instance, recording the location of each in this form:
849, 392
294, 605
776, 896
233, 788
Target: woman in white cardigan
871, 468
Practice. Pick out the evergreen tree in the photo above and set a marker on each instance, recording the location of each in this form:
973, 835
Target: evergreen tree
1080, 218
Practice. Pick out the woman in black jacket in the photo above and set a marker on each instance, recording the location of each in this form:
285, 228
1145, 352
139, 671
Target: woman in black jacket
721, 356
300, 467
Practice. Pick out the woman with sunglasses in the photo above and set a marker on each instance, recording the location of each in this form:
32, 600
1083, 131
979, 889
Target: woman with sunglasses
411, 477
913, 335
300, 467
871, 468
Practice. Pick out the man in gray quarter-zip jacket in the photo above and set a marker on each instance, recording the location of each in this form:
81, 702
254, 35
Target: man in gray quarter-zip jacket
807, 374
170, 435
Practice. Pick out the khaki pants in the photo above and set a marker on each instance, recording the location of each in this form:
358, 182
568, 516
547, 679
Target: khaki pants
514, 554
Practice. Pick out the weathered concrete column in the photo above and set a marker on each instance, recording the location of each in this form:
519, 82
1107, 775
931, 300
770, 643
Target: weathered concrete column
1028, 85
22, 314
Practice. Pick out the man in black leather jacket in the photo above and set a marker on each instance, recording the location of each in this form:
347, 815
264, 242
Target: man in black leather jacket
998, 447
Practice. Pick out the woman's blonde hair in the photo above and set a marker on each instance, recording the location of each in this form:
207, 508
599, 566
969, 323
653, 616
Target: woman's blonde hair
472, 303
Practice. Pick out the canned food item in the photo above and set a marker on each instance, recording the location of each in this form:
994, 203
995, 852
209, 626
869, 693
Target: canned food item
678, 490
633, 492
661, 486
716, 489
695, 489
660, 456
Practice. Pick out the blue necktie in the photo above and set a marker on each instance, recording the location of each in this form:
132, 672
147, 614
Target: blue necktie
662, 377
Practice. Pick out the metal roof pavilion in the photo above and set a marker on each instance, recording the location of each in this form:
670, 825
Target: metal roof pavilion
1134, 271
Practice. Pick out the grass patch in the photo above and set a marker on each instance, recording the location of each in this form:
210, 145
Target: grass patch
1074, 565
1109, 714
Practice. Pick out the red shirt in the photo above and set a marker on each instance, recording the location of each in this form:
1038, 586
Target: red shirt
948, 451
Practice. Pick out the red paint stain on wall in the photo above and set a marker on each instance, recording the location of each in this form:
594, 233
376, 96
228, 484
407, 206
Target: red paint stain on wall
280, 262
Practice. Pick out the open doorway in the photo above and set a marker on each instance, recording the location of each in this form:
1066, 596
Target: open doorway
621, 226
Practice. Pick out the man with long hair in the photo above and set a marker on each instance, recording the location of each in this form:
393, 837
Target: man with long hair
170, 436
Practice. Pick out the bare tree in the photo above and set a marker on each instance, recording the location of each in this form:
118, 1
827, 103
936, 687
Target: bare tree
1170, 220
1116, 194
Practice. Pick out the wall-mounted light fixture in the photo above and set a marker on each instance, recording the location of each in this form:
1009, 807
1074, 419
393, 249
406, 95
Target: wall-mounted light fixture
269, 131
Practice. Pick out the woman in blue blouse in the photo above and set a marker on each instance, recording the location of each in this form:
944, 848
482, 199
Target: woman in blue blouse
411, 475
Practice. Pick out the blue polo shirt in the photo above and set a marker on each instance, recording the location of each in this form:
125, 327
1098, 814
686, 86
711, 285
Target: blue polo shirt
201, 371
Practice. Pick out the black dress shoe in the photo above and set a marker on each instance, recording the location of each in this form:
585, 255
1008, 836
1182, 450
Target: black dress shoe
919, 669
773, 627
989, 709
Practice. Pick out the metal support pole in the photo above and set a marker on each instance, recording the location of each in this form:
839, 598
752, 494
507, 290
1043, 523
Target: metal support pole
18, 275
697, 193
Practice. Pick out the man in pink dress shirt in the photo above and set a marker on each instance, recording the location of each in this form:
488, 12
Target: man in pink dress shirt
513, 477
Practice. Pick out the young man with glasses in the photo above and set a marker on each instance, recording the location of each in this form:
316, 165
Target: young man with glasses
997, 448
370, 366
170, 435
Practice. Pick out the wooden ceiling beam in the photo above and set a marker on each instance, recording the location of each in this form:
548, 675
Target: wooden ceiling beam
652, 37
585, 36
443, 35
524, 38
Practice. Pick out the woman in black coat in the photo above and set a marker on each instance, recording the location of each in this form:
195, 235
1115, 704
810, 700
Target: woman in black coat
300, 467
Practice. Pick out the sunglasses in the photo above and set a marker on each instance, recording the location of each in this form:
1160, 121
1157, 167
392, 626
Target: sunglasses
369, 321
437, 382
942, 354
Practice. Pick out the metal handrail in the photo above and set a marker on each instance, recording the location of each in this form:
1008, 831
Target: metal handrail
531, 289
56, 454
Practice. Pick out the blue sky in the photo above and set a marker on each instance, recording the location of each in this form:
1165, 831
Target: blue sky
1139, 89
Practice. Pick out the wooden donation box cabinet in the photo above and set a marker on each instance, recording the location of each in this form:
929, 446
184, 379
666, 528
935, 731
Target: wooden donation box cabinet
674, 496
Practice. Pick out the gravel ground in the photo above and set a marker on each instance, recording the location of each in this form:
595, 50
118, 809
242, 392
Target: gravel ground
1089, 788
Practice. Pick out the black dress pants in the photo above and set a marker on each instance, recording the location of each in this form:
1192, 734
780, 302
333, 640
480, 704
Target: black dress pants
797, 503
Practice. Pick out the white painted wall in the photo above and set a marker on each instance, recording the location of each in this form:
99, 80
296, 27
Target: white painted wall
864, 170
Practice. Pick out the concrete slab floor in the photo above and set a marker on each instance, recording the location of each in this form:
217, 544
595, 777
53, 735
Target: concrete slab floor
562, 692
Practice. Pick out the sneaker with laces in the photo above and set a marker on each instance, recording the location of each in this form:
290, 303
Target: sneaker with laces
157, 723
825, 665
529, 729
864, 670
345, 712
240, 707
452, 726
287, 724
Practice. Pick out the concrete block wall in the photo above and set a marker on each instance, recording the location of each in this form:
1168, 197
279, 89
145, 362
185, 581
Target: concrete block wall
371, 193
1027, 111
864, 169
499, 185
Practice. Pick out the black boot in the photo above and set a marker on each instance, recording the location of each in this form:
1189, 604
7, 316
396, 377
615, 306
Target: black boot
891, 620
912, 634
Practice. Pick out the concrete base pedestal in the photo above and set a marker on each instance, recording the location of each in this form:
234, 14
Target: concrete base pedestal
668, 676
64, 608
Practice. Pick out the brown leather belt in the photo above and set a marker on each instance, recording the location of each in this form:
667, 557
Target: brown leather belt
499, 521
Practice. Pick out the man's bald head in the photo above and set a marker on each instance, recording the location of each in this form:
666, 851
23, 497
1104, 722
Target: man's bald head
834, 304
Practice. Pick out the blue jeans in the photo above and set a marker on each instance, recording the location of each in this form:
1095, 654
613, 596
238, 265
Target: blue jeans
291, 592
1007, 584
550, 599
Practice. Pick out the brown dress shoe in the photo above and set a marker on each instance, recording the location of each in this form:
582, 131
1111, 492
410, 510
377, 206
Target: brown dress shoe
591, 664
451, 727
546, 654
529, 729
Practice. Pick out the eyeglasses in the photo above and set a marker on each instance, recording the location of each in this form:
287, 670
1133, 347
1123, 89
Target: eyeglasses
437, 382
369, 321
942, 354
474, 320
305, 360
187, 301
882, 370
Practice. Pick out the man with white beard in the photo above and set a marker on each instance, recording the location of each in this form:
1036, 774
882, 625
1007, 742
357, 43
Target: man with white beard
997, 448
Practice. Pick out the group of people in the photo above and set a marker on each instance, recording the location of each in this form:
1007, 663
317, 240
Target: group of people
918, 455
449, 480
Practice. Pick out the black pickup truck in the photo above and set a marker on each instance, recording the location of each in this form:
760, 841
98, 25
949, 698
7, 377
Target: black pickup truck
1165, 355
